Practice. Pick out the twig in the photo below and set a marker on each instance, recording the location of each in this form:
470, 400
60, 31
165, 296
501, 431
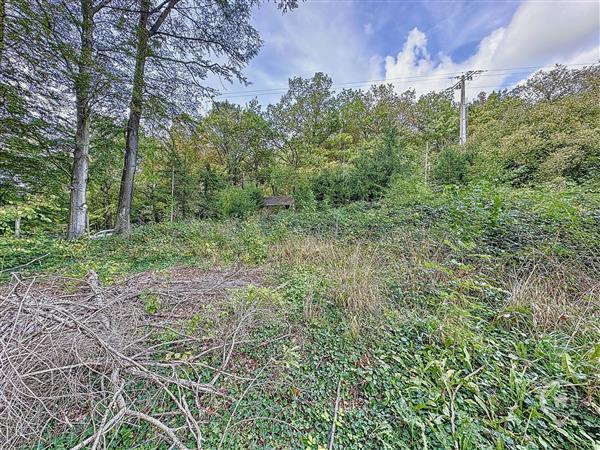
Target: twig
335, 414
240, 401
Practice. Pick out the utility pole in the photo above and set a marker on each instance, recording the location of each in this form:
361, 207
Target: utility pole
426, 161
461, 84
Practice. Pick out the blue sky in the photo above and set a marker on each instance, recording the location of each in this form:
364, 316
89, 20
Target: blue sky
417, 44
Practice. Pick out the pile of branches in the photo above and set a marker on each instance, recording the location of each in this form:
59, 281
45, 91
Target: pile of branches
78, 356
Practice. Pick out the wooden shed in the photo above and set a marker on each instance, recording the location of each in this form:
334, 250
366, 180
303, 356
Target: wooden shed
278, 201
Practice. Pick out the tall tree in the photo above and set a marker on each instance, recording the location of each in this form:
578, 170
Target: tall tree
63, 89
300, 120
78, 211
238, 135
90, 75
176, 40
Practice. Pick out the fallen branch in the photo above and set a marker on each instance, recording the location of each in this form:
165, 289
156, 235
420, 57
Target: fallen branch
13, 269
76, 358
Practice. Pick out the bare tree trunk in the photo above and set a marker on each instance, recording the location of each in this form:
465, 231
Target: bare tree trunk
79, 176
123, 224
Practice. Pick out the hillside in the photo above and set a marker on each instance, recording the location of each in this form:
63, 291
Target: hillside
464, 318
299, 224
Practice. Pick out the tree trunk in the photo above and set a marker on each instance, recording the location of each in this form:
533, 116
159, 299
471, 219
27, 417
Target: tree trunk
2, 26
172, 190
123, 224
79, 176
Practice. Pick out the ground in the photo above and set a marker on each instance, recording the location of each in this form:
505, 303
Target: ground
464, 321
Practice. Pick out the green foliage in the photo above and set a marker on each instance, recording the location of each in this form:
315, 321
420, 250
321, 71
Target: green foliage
546, 129
449, 358
151, 301
322, 147
472, 211
451, 165
374, 171
405, 191
239, 202
253, 246
36, 215
368, 177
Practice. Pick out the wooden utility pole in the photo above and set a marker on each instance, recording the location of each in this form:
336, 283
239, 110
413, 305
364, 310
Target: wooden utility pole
461, 84
426, 161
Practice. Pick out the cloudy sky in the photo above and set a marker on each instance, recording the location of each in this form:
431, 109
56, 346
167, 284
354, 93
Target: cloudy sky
418, 44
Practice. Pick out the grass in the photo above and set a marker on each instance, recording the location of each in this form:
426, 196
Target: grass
468, 320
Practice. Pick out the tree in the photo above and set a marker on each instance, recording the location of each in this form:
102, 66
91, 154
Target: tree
238, 135
177, 38
300, 121
78, 214
31, 144
62, 35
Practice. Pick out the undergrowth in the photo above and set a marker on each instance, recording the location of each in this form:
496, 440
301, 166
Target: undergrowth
466, 318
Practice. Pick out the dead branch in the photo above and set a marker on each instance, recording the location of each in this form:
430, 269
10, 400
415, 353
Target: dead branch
77, 359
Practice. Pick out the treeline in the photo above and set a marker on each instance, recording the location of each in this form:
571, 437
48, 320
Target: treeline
164, 161
64, 62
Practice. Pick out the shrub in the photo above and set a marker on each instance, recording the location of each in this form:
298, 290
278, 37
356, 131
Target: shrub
37, 215
405, 191
451, 166
374, 171
332, 186
239, 202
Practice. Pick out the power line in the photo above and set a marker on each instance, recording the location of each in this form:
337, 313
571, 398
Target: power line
396, 80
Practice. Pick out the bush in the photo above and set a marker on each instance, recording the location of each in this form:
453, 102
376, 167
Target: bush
406, 191
333, 186
370, 175
235, 201
451, 166
375, 170
304, 196
37, 215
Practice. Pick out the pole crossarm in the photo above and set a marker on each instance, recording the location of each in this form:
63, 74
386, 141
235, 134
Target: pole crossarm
468, 76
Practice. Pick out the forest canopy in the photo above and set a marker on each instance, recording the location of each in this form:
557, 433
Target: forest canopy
117, 123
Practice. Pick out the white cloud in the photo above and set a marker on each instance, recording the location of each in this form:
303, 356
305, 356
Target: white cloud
539, 33
316, 37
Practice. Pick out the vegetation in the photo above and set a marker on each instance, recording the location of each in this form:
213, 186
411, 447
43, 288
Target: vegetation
324, 148
421, 295
460, 317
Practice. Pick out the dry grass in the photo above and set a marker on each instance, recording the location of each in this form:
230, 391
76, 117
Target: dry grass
556, 295
355, 275
417, 260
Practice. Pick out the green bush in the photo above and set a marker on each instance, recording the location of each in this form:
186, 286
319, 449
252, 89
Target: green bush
37, 215
239, 202
332, 186
304, 196
406, 191
368, 177
451, 165
374, 171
